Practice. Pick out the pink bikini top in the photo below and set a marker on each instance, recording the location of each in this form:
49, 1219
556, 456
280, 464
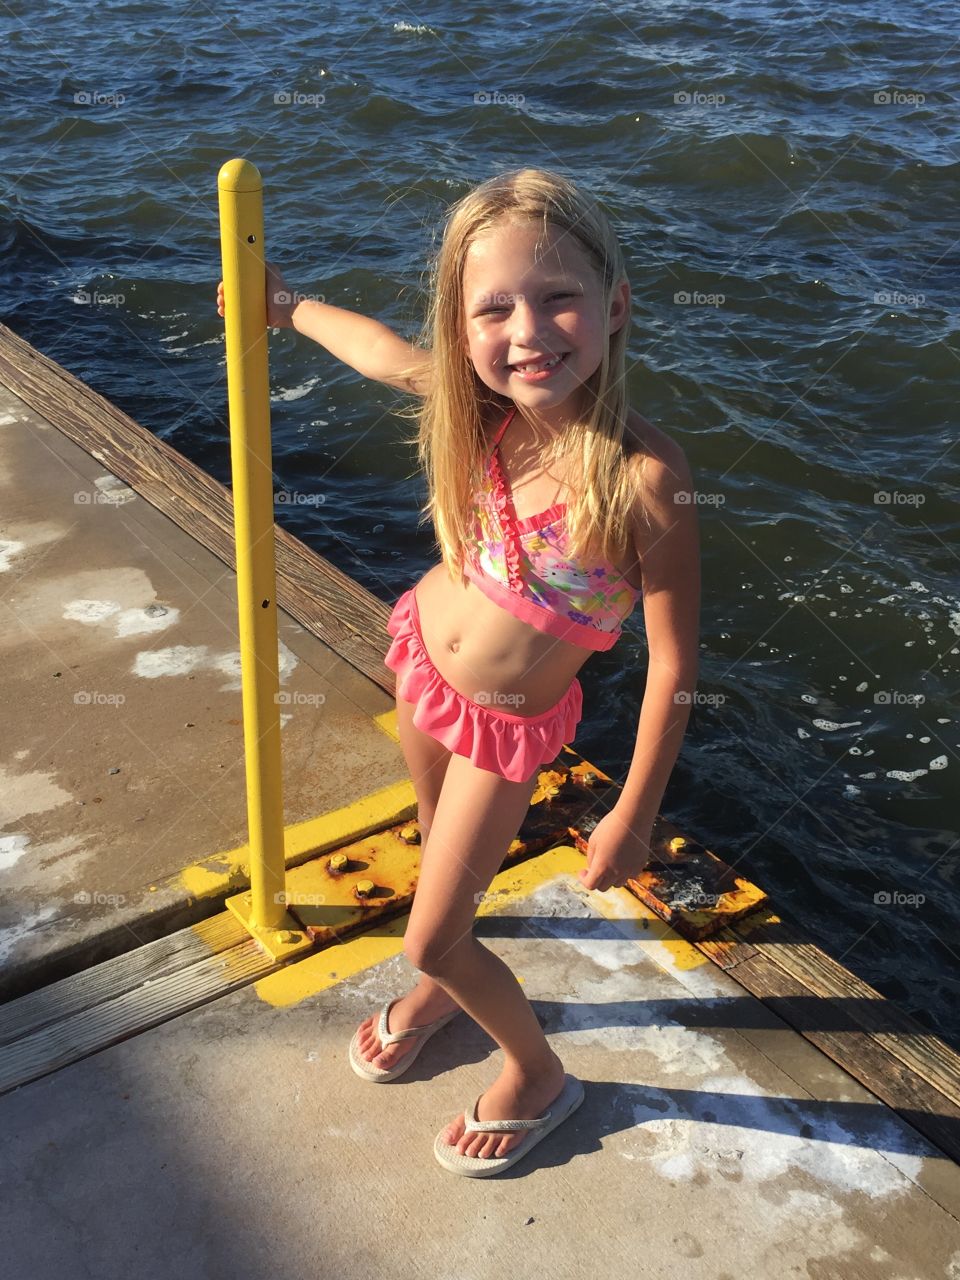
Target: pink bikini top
522, 565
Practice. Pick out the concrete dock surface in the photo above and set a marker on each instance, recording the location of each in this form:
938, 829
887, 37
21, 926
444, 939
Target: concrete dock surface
122, 755
714, 1142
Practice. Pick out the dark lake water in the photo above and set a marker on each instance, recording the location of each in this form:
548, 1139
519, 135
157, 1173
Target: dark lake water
794, 174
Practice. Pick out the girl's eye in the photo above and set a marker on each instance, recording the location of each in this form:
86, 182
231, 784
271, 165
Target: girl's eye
489, 311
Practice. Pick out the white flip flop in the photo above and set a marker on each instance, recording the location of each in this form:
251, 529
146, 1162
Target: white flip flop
562, 1106
380, 1075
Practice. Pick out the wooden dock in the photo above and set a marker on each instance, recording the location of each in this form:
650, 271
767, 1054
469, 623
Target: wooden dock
102, 997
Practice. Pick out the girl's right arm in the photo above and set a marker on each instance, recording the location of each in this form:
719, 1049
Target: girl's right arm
368, 346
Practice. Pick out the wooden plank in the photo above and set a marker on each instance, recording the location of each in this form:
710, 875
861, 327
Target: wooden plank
726, 948
86, 1031
848, 1003
857, 1050
331, 605
118, 975
841, 1008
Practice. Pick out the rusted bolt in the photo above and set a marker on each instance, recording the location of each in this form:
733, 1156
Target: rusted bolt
589, 778
410, 834
287, 935
339, 862
678, 843
364, 888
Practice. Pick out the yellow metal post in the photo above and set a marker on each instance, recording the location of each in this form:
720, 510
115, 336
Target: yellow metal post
263, 909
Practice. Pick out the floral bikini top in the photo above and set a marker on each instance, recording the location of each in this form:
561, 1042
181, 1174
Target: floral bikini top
522, 565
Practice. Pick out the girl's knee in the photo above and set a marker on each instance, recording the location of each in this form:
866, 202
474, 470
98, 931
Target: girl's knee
421, 949
432, 952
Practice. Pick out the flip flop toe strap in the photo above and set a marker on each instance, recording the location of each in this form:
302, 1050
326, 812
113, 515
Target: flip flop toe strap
391, 1037
473, 1125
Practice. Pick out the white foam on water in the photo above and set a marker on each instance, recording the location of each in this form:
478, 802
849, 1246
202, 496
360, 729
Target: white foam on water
295, 393
418, 29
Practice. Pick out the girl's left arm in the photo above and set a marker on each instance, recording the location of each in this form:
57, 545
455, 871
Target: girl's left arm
669, 554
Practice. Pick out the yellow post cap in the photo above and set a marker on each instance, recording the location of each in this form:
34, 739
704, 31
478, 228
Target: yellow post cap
239, 175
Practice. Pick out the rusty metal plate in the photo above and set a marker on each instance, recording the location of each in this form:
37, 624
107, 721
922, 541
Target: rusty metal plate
342, 892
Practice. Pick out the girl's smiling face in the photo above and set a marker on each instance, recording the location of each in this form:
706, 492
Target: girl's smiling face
524, 308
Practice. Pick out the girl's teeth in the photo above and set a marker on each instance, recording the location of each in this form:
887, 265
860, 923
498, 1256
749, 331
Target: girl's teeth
535, 368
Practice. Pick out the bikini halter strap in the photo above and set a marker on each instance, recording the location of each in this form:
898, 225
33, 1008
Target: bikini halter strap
503, 426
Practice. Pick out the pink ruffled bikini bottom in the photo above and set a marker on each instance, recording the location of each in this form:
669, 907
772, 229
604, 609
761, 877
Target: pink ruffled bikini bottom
513, 746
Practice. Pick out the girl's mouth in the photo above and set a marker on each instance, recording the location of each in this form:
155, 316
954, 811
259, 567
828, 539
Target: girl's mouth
538, 370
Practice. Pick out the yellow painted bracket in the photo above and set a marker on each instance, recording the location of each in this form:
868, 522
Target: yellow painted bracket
219, 873
282, 941
371, 879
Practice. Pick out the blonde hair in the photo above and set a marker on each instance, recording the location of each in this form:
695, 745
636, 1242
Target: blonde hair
450, 438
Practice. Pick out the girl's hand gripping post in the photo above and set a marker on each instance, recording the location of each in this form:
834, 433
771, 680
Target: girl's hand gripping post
280, 299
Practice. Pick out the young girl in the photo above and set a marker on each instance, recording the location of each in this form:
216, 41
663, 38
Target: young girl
556, 507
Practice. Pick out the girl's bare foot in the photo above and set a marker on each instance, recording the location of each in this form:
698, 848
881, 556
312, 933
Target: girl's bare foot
412, 1010
512, 1096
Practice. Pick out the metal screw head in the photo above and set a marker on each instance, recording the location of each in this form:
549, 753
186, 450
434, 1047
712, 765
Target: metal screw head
364, 888
338, 862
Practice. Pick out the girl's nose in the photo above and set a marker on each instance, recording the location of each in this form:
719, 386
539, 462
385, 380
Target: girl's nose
525, 323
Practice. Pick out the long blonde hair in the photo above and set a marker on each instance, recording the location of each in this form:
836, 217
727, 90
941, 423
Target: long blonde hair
450, 438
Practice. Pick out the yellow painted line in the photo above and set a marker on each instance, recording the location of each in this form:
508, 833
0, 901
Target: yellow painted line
324, 969
223, 872
647, 926
633, 916
387, 721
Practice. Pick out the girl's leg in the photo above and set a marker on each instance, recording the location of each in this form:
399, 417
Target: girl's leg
427, 764
477, 816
